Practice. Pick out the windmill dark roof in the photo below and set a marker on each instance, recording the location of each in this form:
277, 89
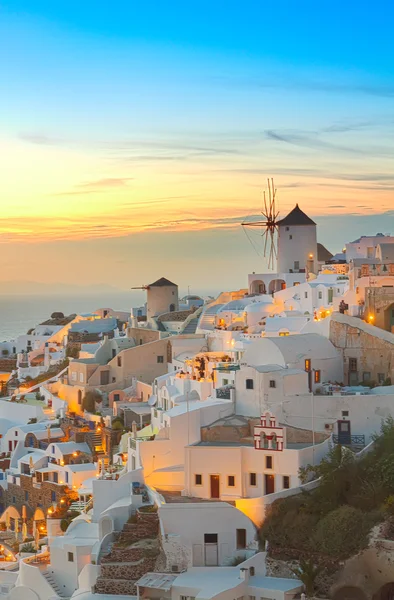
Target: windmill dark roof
323, 255
296, 217
162, 282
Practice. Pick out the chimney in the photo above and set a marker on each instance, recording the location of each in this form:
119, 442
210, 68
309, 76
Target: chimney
244, 574
134, 429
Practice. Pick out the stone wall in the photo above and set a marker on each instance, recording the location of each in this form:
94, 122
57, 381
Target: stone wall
7, 364
372, 348
35, 496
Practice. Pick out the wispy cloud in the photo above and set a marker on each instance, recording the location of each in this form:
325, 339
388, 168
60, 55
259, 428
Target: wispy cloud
109, 182
40, 139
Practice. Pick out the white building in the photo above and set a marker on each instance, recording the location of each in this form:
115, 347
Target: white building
365, 246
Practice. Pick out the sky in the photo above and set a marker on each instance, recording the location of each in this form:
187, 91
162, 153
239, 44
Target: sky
136, 136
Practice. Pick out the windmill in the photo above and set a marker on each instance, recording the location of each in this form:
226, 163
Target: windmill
269, 226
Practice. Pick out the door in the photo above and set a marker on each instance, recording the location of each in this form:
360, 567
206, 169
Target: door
215, 486
269, 484
211, 549
198, 560
344, 432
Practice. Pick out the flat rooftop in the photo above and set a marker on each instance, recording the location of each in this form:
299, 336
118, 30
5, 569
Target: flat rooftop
247, 444
177, 498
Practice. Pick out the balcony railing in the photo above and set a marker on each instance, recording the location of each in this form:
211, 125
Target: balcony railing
349, 440
224, 393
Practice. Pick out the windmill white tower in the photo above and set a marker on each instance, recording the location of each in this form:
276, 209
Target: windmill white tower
290, 243
297, 244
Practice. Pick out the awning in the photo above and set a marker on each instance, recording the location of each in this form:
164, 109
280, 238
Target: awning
147, 431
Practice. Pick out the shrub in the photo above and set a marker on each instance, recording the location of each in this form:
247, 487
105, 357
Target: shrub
343, 531
57, 315
28, 548
64, 523
5, 352
72, 352
152, 508
90, 399
237, 560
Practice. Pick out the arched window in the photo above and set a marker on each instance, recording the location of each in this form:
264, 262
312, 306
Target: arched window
172, 307
274, 442
263, 440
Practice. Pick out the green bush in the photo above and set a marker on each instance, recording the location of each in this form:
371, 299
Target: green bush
28, 548
90, 399
343, 532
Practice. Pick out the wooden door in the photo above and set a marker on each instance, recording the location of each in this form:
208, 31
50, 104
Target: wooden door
215, 486
344, 432
269, 484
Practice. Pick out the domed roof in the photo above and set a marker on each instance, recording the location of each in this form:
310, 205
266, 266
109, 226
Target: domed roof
257, 307
296, 217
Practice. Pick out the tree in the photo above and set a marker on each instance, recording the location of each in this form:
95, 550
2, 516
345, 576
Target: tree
90, 399
307, 572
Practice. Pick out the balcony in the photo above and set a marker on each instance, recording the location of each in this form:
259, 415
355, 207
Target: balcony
349, 440
224, 393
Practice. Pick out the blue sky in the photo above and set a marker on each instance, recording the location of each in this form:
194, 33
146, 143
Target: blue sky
137, 118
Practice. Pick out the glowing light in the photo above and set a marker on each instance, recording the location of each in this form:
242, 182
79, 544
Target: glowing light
62, 501
98, 429
311, 255
371, 318
75, 453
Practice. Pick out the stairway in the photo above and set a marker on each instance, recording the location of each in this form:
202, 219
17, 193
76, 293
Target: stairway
97, 443
50, 577
207, 321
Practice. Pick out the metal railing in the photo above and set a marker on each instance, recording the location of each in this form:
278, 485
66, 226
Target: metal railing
349, 440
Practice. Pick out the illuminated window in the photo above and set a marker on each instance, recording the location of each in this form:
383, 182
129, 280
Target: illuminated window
317, 376
307, 365
283, 333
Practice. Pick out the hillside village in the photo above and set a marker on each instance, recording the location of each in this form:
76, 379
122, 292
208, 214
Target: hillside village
208, 448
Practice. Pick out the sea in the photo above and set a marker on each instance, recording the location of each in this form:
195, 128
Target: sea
18, 313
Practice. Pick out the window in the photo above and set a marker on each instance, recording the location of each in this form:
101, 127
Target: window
317, 376
290, 237
53, 496
116, 397
286, 482
251, 571
231, 481
210, 538
16, 434
381, 378
352, 364
272, 383
55, 478
249, 384
345, 413
252, 479
160, 359
284, 333
287, 228
66, 476
73, 376
307, 365
119, 361
320, 295
26, 496
366, 376
53, 449
268, 462
296, 265
198, 479
81, 377
172, 307
305, 294
225, 381
241, 539
13, 500
70, 556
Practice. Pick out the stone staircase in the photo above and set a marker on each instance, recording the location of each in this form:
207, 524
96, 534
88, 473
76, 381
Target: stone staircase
134, 553
57, 588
